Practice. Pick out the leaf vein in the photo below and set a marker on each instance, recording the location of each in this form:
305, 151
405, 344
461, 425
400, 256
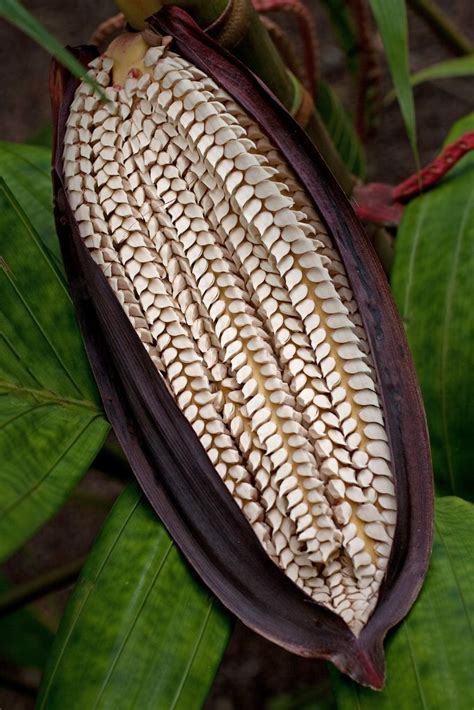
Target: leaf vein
445, 341
46, 475
132, 626
193, 655
83, 603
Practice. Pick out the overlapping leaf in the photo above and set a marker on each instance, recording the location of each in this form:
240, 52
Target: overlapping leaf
152, 636
434, 288
51, 422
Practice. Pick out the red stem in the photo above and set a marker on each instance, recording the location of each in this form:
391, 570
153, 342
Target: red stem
434, 171
306, 30
369, 74
383, 204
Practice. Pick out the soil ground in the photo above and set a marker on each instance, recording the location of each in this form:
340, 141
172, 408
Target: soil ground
254, 673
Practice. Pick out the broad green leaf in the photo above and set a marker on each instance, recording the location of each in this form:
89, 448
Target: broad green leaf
434, 288
14, 12
391, 19
139, 631
27, 171
340, 129
430, 656
51, 422
461, 66
24, 639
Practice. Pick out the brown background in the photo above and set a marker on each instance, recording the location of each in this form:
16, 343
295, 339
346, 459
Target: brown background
254, 673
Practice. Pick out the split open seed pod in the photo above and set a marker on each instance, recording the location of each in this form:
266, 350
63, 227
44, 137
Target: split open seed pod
245, 344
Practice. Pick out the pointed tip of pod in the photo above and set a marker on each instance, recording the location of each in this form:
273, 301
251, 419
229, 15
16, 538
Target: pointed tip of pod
371, 669
363, 664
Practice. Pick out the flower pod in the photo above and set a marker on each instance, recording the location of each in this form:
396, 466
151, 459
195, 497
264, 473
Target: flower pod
245, 344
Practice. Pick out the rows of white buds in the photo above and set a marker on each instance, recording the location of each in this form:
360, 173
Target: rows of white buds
237, 292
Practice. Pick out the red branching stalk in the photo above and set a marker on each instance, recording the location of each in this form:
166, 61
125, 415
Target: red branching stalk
369, 73
108, 29
384, 204
307, 31
285, 47
434, 171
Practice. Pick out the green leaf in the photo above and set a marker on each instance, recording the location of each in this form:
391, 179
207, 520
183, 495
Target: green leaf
43, 136
391, 18
341, 130
139, 631
344, 27
430, 656
24, 639
450, 69
462, 66
27, 171
51, 421
14, 12
433, 286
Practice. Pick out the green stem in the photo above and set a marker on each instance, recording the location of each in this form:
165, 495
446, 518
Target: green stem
255, 49
442, 26
19, 595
